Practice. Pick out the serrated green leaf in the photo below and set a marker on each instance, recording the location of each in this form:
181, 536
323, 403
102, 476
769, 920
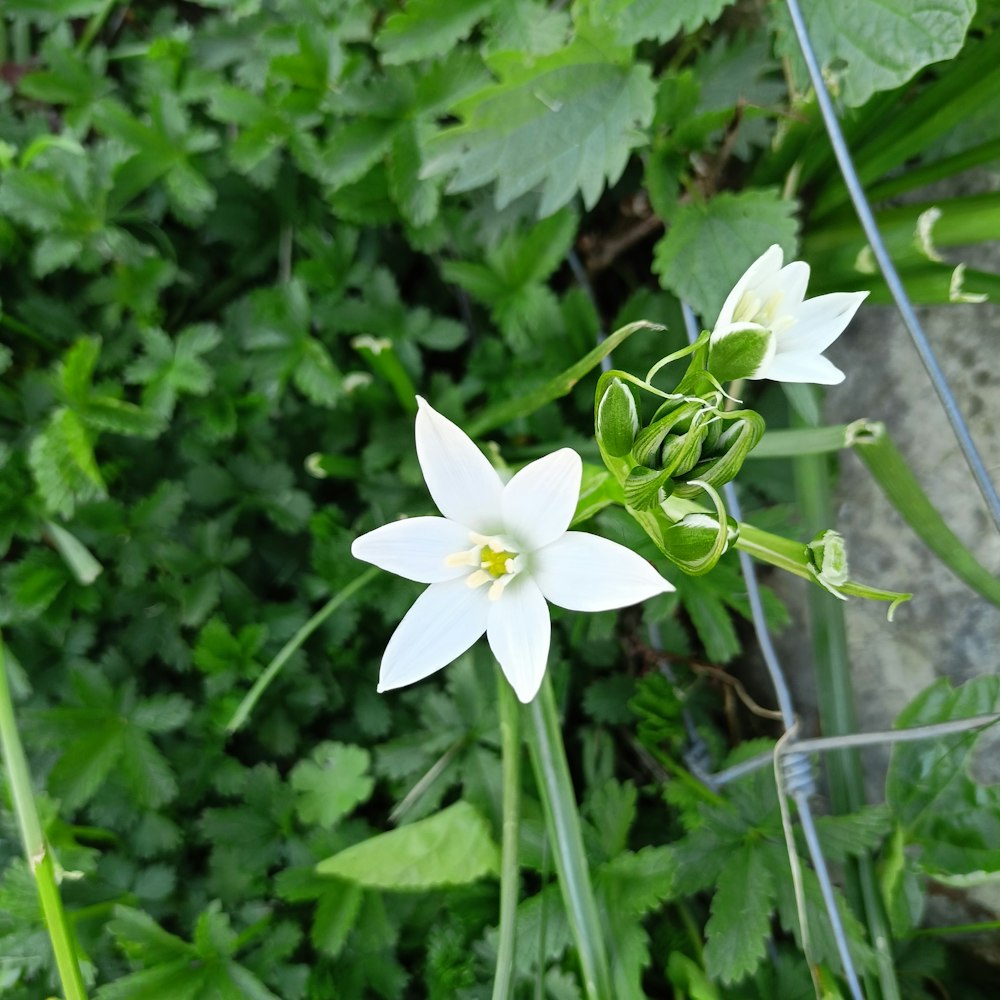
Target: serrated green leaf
452, 847
633, 20
62, 462
866, 46
428, 28
725, 236
560, 124
336, 913
740, 922
331, 783
854, 835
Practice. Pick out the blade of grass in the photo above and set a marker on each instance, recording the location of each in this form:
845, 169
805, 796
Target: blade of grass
40, 860
511, 409
272, 670
510, 744
562, 820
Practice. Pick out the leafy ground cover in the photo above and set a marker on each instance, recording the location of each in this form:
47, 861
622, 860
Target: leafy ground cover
237, 239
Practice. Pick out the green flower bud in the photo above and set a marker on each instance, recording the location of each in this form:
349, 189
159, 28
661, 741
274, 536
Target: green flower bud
734, 444
650, 439
617, 419
740, 352
697, 541
646, 488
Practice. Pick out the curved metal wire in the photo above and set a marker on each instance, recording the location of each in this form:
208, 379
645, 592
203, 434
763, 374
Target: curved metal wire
888, 269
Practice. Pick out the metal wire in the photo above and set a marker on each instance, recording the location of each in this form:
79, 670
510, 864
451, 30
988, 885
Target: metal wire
888, 269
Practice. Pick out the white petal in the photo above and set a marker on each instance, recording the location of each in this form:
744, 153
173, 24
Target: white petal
766, 265
539, 502
519, 631
791, 281
801, 366
445, 620
820, 321
415, 548
583, 572
465, 487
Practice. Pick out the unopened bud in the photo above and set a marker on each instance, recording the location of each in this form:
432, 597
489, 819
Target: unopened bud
697, 541
646, 488
740, 352
617, 419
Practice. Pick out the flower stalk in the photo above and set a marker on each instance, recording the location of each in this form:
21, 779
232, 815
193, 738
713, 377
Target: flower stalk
562, 820
510, 746
40, 860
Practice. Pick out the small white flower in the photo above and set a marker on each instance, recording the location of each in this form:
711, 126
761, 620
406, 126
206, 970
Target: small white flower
498, 554
772, 297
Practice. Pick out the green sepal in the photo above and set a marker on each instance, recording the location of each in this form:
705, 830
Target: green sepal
740, 352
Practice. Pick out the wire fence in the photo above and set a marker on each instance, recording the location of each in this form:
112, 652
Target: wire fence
790, 759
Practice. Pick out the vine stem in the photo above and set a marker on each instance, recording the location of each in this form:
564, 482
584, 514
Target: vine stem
39, 857
510, 745
562, 820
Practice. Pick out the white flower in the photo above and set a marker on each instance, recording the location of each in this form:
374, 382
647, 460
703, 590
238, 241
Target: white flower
494, 559
772, 297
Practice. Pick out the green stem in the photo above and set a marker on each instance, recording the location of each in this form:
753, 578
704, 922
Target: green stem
548, 758
35, 849
262, 683
94, 25
510, 743
838, 718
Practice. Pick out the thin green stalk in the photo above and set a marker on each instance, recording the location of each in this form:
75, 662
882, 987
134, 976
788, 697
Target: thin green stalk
246, 706
94, 26
510, 743
35, 849
548, 758
838, 718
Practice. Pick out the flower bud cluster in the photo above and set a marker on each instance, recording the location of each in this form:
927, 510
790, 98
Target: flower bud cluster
691, 446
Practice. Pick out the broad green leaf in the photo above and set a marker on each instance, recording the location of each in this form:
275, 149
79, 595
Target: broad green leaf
737, 930
711, 243
633, 20
452, 847
428, 28
866, 46
331, 783
944, 810
172, 367
559, 124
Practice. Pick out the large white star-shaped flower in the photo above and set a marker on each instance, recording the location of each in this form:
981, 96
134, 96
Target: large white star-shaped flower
772, 297
498, 554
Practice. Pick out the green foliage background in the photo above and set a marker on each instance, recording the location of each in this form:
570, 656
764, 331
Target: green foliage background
236, 238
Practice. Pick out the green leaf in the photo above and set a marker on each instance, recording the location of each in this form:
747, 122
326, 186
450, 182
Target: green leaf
560, 124
62, 461
169, 368
855, 834
865, 46
738, 928
331, 783
428, 28
453, 847
632, 21
724, 236
931, 787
